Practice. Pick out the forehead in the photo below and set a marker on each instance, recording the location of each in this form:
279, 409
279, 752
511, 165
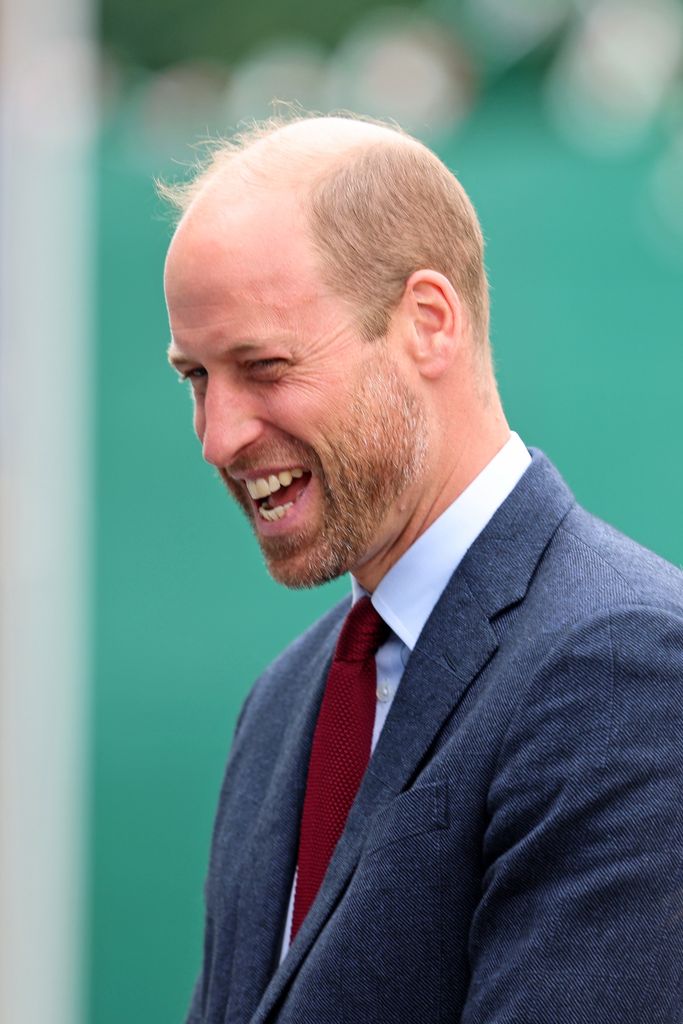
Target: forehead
253, 247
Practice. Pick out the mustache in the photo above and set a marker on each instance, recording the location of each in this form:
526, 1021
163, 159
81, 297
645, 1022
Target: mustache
267, 453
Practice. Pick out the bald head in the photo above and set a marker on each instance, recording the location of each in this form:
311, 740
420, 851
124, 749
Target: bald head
289, 154
377, 204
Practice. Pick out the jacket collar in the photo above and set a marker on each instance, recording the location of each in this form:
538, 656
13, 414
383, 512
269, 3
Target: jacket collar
409, 591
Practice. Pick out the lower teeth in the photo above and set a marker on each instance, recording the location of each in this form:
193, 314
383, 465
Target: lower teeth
271, 514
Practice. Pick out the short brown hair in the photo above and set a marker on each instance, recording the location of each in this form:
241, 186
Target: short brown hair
378, 211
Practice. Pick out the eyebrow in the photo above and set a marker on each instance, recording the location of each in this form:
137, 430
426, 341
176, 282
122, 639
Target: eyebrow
179, 360
176, 357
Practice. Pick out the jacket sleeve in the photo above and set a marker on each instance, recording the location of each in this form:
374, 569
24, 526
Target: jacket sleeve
197, 1008
581, 914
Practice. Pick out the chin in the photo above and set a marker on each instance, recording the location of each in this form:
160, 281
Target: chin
301, 576
305, 569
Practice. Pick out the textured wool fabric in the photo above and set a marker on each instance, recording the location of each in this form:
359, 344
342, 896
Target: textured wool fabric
514, 854
341, 749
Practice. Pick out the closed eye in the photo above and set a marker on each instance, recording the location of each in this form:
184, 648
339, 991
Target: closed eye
267, 369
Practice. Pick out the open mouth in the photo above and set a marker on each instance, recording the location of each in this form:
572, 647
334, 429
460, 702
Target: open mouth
275, 494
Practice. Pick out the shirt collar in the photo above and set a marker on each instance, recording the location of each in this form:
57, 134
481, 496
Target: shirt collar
406, 595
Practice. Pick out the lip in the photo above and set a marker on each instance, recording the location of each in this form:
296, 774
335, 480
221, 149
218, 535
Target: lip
295, 517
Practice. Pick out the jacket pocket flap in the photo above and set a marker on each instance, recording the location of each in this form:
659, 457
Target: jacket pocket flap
419, 810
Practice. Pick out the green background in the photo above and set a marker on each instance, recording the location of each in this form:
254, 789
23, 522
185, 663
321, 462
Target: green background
586, 328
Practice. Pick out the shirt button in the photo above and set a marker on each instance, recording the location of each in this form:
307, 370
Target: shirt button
383, 692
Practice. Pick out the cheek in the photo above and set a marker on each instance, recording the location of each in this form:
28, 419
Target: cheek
308, 408
309, 388
290, 411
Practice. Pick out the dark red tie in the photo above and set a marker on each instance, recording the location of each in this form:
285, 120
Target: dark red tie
340, 751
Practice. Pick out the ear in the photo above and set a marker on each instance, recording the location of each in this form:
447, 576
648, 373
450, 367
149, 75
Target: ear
435, 321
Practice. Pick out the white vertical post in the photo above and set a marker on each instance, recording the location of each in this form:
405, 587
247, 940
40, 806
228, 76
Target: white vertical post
46, 120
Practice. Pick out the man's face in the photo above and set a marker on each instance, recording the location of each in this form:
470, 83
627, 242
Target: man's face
313, 430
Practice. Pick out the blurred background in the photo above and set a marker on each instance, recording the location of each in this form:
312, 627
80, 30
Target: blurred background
134, 609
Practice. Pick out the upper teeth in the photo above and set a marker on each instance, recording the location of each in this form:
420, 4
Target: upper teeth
263, 486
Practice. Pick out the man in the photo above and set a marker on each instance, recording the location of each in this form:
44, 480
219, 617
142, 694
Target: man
510, 668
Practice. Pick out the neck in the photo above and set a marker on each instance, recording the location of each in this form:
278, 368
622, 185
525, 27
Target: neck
461, 459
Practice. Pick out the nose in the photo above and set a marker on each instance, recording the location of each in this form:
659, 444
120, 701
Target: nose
226, 422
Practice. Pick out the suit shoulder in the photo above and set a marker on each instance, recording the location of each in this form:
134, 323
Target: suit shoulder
633, 573
600, 693
601, 626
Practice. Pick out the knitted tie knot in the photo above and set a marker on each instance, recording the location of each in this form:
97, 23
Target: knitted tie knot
364, 630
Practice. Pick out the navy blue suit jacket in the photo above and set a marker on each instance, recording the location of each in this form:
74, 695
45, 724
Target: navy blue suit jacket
515, 852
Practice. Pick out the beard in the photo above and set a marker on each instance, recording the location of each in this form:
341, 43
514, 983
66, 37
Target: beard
362, 469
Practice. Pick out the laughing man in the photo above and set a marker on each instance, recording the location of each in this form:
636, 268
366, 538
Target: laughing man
457, 797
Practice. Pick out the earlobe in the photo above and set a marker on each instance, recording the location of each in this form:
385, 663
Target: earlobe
436, 319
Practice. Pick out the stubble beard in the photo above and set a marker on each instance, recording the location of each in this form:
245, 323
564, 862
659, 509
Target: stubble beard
362, 471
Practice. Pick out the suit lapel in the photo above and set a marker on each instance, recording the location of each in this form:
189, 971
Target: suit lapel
434, 681
456, 643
